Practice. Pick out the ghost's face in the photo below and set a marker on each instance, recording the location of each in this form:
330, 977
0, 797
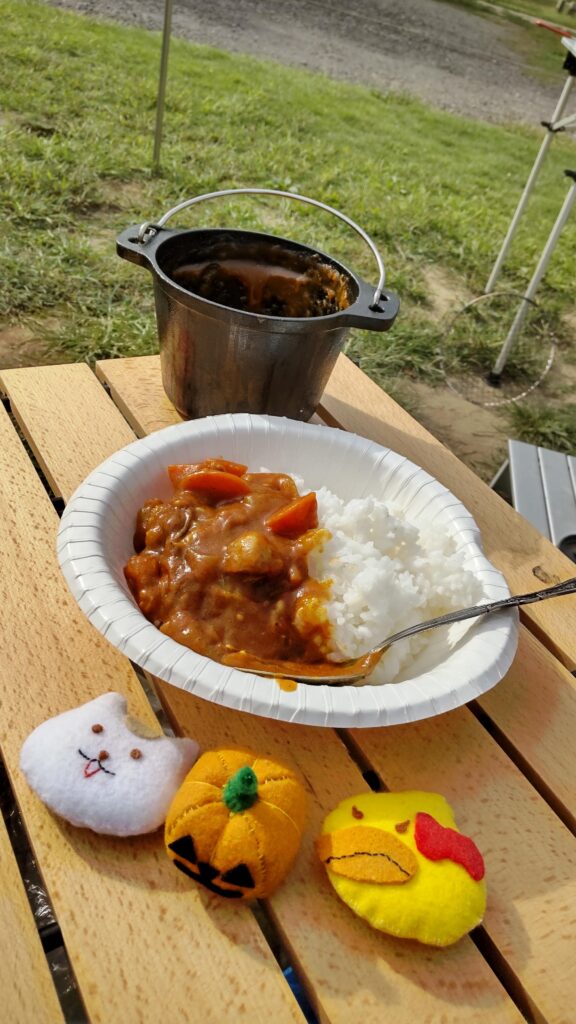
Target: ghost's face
97, 769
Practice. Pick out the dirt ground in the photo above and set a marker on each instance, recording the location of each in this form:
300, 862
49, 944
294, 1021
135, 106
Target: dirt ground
434, 51
476, 434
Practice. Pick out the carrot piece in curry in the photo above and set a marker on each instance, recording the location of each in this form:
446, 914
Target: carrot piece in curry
215, 484
296, 518
181, 472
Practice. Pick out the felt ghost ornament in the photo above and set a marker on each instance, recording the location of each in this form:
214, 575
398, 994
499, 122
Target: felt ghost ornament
398, 860
100, 769
236, 823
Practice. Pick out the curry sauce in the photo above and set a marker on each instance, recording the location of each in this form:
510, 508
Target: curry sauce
221, 567
273, 282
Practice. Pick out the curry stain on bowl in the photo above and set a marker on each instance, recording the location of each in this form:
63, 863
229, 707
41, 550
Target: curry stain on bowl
288, 685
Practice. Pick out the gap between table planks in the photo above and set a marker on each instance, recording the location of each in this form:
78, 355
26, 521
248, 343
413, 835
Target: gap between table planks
352, 971
28, 993
478, 735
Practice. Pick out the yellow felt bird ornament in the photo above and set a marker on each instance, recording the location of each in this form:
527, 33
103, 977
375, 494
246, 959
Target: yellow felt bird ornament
398, 860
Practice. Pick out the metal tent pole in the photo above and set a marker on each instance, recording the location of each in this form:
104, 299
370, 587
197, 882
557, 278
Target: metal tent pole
537, 277
162, 83
551, 126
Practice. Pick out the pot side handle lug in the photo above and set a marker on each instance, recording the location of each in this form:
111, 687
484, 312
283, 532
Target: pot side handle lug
141, 253
365, 314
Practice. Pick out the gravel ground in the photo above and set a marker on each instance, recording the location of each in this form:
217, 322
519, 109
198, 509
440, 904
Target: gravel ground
437, 52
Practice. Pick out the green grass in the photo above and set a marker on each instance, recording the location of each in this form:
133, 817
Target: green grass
79, 106
536, 423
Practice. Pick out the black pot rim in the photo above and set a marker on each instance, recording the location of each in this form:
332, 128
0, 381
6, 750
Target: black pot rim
360, 313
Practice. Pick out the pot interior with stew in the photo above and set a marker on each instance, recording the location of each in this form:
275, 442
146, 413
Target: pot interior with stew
261, 275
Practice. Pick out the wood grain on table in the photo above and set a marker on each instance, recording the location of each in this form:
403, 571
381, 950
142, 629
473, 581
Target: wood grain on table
25, 983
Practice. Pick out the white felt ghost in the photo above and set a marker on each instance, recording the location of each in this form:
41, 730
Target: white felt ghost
100, 769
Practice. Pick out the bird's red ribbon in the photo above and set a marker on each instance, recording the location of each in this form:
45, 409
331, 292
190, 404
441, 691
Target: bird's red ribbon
438, 843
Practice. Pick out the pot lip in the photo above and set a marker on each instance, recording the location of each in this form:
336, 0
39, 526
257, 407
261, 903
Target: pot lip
178, 292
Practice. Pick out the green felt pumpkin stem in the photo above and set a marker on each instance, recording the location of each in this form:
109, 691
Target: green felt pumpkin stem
241, 791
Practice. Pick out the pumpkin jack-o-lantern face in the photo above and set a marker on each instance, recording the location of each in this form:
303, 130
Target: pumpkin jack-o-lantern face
235, 824
229, 884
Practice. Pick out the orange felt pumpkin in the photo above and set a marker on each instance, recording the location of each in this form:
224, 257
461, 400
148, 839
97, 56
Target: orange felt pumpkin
236, 823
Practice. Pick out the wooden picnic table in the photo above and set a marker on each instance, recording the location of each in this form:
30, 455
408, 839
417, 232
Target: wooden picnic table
142, 942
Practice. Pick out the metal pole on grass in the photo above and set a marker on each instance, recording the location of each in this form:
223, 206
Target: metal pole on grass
162, 83
537, 277
530, 183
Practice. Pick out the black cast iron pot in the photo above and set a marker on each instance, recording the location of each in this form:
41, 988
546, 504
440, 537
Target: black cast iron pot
249, 322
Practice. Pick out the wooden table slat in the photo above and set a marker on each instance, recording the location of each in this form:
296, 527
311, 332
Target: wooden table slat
530, 856
69, 389
353, 971
28, 993
118, 902
534, 710
136, 387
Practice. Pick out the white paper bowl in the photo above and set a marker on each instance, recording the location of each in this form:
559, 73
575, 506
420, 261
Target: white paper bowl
95, 541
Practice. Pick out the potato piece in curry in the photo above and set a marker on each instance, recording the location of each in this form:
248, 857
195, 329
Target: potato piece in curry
222, 566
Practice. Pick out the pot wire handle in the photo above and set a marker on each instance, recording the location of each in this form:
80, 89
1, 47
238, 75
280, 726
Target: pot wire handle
148, 230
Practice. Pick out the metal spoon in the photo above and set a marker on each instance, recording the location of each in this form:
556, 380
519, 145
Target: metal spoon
358, 668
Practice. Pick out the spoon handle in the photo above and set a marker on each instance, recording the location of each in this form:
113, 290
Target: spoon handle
567, 587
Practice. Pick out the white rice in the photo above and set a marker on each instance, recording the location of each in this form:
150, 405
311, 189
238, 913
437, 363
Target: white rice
385, 574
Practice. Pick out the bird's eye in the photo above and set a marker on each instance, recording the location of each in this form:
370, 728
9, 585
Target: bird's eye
402, 826
136, 754
97, 727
